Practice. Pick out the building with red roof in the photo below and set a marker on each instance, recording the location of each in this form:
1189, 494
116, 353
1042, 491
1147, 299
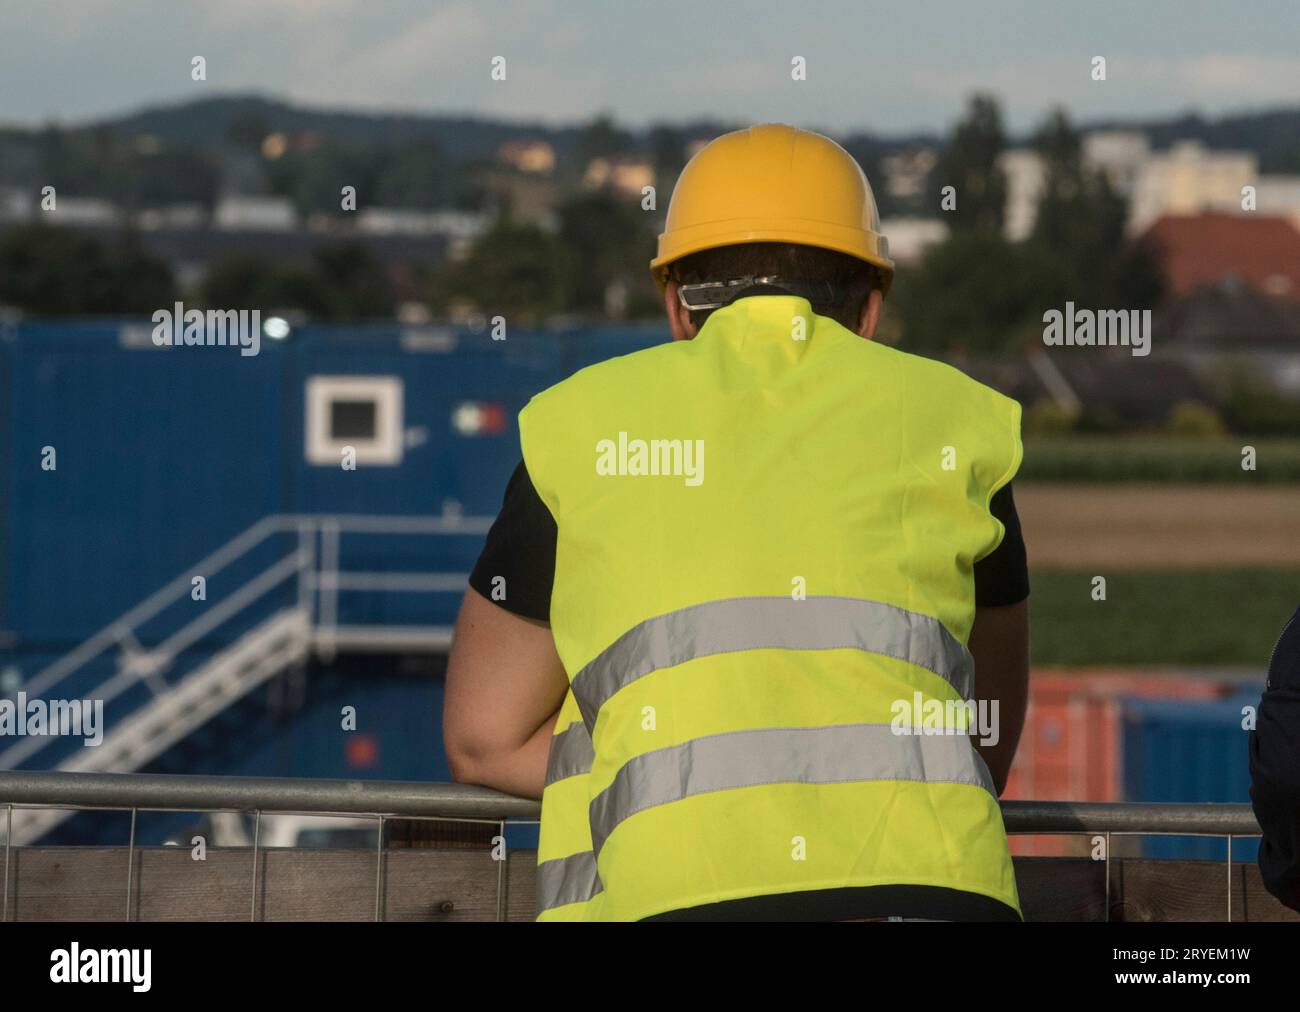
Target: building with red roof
1206, 250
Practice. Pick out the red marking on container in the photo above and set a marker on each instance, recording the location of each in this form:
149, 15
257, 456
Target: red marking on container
361, 751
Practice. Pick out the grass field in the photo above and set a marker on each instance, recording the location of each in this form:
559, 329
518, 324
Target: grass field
1193, 617
1159, 459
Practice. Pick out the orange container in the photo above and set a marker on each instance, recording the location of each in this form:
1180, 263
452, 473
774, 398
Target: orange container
1071, 748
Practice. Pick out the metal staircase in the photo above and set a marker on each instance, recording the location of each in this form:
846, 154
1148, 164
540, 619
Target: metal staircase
294, 603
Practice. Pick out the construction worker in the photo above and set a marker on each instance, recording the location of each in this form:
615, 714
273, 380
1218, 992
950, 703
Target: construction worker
777, 565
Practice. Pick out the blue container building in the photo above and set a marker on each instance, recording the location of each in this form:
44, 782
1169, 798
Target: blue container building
1188, 751
128, 471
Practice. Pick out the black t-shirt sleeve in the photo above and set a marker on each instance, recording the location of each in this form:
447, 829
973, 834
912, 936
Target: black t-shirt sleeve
1002, 576
520, 548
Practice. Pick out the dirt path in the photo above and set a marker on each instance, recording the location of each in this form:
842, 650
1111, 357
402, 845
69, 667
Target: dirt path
1158, 526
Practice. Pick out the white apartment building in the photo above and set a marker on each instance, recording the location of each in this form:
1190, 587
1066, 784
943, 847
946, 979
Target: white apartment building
241, 212
1025, 175
1187, 179
1119, 155
1279, 196
909, 238
1190, 179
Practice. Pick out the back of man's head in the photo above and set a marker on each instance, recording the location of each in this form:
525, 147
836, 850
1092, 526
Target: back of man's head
848, 280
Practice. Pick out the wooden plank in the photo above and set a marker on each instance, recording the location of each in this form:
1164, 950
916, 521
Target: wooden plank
67, 884
1061, 888
90, 884
1154, 890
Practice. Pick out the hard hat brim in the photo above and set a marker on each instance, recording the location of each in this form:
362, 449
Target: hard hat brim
853, 242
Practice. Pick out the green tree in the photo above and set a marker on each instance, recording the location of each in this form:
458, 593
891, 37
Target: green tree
172, 176
256, 281
54, 271
314, 180
605, 238
1066, 191
247, 128
337, 284
602, 138
970, 164
417, 175
357, 283
76, 164
516, 270
667, 155
977, 293
1080, 227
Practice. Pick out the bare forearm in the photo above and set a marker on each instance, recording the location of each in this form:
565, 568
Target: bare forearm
999, 642
505, 684
1012, 700
521, 772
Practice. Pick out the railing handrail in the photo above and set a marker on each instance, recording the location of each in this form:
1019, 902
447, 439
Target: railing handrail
314, 574
165, 596
1147, 818
188, 793
421, 799
245, 541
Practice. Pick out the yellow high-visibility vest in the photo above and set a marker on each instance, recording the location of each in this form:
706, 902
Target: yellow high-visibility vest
766, 545
567, 883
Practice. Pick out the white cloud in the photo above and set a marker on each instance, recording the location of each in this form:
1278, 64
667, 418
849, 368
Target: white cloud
1241, 77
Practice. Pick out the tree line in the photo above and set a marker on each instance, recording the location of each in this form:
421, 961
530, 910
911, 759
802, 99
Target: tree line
977, 291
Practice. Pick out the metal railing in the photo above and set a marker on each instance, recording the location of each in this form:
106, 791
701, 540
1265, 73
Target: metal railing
385, 800
314, 564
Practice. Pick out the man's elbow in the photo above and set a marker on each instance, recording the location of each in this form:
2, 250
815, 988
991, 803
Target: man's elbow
469, 759
461, 764
475, 757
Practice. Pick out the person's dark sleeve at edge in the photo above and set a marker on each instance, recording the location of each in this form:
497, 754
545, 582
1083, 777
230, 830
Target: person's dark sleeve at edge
520, 548
1275, 769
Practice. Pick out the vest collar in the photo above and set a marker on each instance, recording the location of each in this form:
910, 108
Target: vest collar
773, 331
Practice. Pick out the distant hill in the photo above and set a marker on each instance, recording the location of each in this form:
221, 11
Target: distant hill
204, 122
429, 160
201, 122
1274, 134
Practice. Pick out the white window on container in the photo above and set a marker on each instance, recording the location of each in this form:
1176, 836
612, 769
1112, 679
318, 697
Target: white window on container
363, 412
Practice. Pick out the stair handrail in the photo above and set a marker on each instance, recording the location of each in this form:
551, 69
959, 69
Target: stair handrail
168, 594
307, 524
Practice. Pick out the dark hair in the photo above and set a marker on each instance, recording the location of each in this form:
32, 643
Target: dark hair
854, 279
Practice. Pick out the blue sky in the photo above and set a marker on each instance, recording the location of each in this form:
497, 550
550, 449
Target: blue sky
883, 67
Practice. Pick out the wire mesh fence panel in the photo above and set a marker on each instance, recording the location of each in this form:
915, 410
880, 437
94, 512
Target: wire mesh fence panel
389, 850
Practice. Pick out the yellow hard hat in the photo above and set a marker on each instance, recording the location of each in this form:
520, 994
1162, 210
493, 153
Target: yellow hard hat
773, 183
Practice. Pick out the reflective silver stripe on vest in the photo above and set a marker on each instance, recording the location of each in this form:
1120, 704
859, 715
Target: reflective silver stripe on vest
571, 753
846, 753
758, 623
570, 879
567, 880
